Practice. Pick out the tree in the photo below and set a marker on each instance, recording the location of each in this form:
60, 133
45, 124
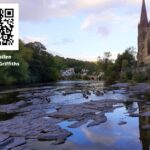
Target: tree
124, 65
42, 66
128, 55
107, 55
120, 69
16, 75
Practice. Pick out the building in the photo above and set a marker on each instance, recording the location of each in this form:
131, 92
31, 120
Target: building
68, 72
143, 37
84, 72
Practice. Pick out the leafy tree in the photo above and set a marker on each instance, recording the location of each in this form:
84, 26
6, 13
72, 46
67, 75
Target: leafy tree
12, 74
128, 55
42, 66
120, 69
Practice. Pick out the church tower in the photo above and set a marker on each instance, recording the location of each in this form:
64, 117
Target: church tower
143, 20
143, 37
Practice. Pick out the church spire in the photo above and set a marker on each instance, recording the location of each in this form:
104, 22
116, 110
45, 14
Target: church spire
144, 19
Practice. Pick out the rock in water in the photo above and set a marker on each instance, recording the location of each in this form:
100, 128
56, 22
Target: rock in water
99, 93
14, 142
3, 137
88, 92
122, 123
85, 96
146, 127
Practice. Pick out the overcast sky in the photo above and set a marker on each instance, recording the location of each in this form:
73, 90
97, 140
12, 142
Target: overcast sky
82, 29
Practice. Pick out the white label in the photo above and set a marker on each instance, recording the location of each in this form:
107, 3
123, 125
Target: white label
9, 26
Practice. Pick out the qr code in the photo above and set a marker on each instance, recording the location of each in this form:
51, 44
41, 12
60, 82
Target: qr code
9, 16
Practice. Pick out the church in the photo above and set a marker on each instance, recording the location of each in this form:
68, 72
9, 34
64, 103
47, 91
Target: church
143, 37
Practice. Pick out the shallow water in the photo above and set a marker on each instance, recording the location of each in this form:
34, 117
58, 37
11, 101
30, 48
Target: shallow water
72, 92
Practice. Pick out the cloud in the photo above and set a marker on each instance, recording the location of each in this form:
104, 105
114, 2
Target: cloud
66, 41
104, 31
34, 39
88, 22
106, 21
48, 9
104, 17
99, 22
63, 41
97, 138
100, 15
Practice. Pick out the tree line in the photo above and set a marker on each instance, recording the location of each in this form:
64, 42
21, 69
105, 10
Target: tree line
39, 66
124, 69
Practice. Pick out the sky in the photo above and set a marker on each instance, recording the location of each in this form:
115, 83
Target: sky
81, 29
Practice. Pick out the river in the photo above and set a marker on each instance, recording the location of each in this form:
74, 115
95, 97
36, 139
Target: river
122, 130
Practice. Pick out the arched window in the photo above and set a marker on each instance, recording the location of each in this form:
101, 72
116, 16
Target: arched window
148, 47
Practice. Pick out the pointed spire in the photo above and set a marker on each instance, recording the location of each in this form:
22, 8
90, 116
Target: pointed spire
144, 19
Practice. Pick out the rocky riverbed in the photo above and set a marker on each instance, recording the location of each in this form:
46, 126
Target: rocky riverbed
35, 115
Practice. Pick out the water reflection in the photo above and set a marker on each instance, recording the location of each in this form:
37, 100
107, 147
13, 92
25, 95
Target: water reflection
144, 120
110, 135
9, 98
7, 116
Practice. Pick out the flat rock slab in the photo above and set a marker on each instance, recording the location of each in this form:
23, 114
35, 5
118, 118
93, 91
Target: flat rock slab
6, 142
120, 85
140, 88
3, 137
59, 136
147, 103
82, 113
122, 123
145, 114
146, 127
22, 147
78, 123
12, 107
134, 115
98, 119
17, 141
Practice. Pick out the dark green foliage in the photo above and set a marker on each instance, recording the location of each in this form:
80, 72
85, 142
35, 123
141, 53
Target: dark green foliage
14, 75
127, 56
121, 69
140, 77
110, 74
86, 78
78, 65
125, 64
38, 66
42, 66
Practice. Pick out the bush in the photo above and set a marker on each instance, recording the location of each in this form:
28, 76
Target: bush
140, 77
123, 77
86, 78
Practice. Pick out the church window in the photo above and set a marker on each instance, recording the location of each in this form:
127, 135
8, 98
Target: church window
148, 47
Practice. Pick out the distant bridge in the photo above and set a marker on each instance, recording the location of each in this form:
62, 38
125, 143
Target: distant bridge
96, 77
